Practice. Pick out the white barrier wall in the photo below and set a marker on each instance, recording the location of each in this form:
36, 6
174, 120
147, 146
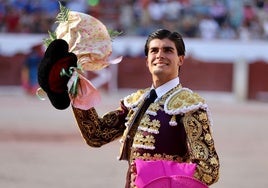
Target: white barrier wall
241, 53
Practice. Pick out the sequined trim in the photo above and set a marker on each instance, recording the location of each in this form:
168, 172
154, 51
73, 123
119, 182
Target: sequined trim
156, 156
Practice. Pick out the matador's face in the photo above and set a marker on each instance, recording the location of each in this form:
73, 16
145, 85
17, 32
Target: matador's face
163, 60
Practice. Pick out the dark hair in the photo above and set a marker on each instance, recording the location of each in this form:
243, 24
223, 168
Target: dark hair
162, 34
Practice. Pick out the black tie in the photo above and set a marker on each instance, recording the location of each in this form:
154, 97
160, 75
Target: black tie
152, 95
147, 101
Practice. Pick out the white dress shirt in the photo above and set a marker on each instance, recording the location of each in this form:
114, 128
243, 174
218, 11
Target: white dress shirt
163, 89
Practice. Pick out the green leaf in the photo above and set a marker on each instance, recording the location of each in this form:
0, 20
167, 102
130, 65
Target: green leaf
113, 33
51, 36
63, 14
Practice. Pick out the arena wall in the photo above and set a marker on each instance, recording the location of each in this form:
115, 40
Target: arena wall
208, 66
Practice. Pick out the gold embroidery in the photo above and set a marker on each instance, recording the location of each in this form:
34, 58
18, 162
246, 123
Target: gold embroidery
145, 121
203, 117
98, 131
207, 178
197, 125
208, 139
163, 99
194, 128
145, 142
132, 100
156, 156
154, 126
149, 140
138, 139
200, 151
201, 145
182, 101
173, 121
149, 126
153, 108
214, 161
130, 115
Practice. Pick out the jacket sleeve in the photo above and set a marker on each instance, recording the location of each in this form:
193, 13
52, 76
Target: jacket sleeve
201, 146
98, 131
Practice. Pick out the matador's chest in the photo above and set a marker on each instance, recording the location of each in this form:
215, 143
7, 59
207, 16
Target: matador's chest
160, 131
157, 135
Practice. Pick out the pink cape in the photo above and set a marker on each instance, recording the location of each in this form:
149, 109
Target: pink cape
175, 182
166, 174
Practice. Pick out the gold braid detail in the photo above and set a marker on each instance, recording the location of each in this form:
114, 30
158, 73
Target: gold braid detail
201, 146
98, 131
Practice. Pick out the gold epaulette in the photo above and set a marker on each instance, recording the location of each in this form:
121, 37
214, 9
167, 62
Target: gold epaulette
134, 99
182, 101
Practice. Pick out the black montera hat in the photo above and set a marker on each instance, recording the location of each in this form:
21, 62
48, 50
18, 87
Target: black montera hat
55, 59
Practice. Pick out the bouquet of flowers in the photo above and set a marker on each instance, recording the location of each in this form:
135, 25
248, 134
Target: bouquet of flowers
91, 42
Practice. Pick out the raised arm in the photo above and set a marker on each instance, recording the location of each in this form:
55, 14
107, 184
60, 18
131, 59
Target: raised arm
98, 131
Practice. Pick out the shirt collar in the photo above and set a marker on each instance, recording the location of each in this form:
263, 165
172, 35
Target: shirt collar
163, 89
